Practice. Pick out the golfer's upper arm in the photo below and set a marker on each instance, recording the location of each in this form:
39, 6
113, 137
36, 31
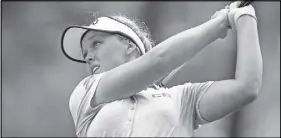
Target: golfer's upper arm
224, 97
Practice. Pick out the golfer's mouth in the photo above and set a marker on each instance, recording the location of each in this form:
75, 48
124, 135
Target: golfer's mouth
95, 68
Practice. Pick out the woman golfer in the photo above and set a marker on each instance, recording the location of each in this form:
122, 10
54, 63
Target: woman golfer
120, 98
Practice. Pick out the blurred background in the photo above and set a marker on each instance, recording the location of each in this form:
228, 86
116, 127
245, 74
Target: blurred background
37, 79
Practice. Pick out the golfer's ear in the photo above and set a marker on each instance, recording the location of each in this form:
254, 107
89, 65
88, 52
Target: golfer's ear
132, 48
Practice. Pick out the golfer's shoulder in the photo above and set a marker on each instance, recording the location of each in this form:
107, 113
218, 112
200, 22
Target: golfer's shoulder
87, 82
79, 91
83, 86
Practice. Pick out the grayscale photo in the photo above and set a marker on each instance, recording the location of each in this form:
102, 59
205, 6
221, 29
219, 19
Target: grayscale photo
140, 68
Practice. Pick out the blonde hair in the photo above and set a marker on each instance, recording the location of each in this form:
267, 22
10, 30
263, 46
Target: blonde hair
139, 28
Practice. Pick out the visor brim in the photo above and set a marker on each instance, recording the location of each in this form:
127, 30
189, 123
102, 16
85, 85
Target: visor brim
71, 38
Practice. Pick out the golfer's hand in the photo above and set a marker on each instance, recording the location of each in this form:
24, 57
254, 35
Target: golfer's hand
235, 13
223, 14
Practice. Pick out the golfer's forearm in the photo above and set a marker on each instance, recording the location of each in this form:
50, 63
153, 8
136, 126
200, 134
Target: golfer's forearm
179, 48
249, 58
191, 41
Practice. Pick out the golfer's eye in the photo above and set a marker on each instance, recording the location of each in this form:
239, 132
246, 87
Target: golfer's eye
96, 44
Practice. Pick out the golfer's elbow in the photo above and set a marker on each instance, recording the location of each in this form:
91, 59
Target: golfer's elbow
251, 80
251, 88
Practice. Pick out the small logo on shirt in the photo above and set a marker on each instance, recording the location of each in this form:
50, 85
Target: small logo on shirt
161, 95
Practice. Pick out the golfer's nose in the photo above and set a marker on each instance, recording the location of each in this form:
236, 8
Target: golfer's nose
89, 59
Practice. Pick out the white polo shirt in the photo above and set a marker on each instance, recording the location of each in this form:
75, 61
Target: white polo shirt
161, 112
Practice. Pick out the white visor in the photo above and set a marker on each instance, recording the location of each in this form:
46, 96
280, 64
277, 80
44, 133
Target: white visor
71, 37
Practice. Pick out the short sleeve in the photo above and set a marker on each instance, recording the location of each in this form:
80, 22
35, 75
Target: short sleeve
85, 113
188, 97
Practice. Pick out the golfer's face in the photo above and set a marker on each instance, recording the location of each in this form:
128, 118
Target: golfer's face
103, 51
